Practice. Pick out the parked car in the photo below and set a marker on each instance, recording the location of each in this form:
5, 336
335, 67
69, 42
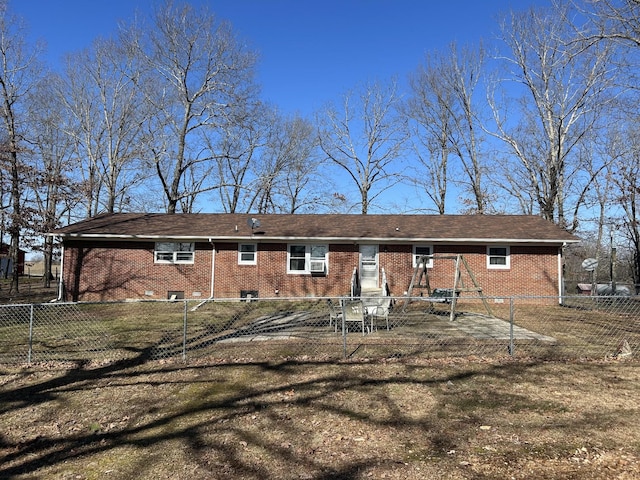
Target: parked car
607, 290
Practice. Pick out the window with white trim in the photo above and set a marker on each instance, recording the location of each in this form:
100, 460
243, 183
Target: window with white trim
498, 257
422, 250
174, 252
247, 254
305, 258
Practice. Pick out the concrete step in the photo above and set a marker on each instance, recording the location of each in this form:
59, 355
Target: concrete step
371, 292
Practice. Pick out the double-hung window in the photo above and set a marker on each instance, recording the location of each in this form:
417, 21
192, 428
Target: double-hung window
421, 251
247, 254
498, 257
304, 258
174, 252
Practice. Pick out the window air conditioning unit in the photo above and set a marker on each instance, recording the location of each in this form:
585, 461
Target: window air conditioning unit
317, 266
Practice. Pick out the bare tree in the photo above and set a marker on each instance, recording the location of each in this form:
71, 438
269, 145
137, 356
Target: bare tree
432, 124
19, 72
365, 139
236, 151
106, 105
598, 156
196, 79
445, 119
616, 23
304, 188
269, 164
561, 91
52, 165
627, 182
288, 179
465, 73
625, 175
615, 20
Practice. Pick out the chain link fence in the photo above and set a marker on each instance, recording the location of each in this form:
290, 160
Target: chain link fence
321, 328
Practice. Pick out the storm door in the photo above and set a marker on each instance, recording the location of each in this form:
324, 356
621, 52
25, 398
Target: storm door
368, 267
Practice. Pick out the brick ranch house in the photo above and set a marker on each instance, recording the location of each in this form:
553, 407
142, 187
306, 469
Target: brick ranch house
199, 256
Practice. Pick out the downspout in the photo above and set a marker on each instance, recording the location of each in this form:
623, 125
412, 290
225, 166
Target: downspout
561, 274
61, 279
213, 266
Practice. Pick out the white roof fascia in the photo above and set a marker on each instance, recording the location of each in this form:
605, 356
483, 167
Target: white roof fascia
262, 238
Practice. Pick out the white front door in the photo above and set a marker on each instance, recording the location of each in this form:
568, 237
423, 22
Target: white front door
368, 266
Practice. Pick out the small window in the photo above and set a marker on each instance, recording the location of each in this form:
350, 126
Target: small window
318, 262
498, 257
297, 258
422, 250
174, 252
318, 252
307, 258
247, 254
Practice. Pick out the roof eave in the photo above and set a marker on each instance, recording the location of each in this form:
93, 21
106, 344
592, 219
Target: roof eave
262, 238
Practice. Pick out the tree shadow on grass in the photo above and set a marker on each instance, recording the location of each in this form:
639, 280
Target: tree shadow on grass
311, 420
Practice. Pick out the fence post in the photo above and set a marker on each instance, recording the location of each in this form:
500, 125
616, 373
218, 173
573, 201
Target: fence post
184, 332
29, 353
511, 343
344, 335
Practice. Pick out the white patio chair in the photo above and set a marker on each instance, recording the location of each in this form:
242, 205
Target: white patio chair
335, 313
353, 311
380, 310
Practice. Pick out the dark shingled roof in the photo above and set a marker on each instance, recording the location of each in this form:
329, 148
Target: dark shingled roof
388, 228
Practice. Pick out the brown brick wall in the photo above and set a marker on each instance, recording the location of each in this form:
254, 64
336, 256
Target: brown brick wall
125, 270
128, 271
270, 273
533, 270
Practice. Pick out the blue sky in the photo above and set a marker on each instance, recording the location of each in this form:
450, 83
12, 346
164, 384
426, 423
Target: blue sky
311, 52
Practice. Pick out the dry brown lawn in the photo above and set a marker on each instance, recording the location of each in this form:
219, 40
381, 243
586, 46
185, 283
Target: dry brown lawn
30, 290
397, 419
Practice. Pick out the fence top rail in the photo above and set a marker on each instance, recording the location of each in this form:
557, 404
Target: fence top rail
15, 305
501, 298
